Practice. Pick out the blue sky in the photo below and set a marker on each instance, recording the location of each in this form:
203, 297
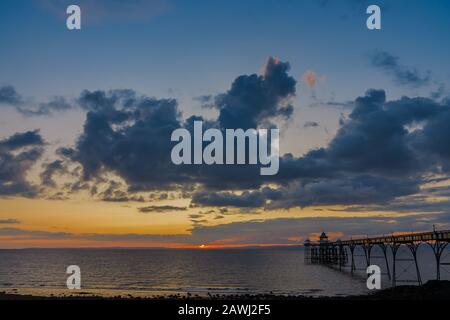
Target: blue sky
198, 47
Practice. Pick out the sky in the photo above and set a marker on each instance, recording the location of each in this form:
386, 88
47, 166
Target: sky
86, 117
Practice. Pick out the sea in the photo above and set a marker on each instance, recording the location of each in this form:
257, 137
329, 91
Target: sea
152, 272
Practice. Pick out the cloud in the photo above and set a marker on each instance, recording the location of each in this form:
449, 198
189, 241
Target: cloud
434, 138
337, 191
50, 169
345, 104
54, 105
128, 134
310, 124
356, 190
244, 200
206, 101
255, 99
310, 79
20, 140
9, 96
34, 234
374, 157
382, 150
403, 75
18, 154
166, 208
115, 193
9, 221
439, 92
375, 139
378, 155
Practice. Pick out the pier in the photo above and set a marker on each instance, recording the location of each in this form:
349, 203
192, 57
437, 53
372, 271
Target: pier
340, 253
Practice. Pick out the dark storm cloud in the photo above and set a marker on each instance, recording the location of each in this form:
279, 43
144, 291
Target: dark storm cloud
339, 191
375, 157
381, 151
356, 190
434, 138
129, 134
403, 75
18, 154
255, 99
20, 140
375, 140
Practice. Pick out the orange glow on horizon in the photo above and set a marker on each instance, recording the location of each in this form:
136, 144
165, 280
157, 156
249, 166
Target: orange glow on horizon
18, 242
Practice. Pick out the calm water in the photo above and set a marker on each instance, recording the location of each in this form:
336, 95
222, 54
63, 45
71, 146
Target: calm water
156, 271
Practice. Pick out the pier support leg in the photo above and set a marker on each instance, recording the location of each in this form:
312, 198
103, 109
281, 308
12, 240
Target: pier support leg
342, 256
438, 247
394, 248
352, 251
384, 249
413, 248
367, 249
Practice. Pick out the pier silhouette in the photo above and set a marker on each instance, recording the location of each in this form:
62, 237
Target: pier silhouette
338, 253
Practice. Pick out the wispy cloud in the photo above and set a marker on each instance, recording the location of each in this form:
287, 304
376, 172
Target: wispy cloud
402, 74
166, 208
9, 221
9, 97
310, 79
310, 124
